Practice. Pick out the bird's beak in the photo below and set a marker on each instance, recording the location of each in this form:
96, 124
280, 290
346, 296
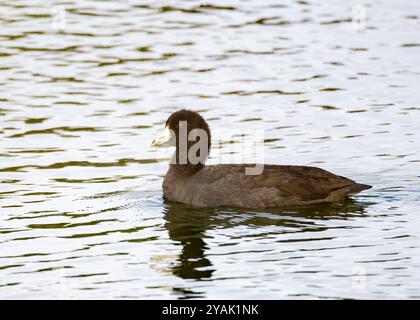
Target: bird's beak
164, 140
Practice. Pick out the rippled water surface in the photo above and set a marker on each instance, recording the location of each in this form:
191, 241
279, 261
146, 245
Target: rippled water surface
81, 209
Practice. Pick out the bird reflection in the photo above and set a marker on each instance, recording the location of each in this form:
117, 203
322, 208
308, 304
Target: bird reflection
188, 226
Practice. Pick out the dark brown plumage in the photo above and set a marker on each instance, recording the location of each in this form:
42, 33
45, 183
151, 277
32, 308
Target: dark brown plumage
227, 184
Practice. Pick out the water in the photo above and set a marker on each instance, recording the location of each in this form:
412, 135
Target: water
82, 94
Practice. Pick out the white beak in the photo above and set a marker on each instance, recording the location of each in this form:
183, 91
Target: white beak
164, 140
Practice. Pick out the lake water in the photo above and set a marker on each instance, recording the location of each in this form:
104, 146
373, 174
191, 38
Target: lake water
86, 85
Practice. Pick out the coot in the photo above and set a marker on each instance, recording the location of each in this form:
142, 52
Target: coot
190, 181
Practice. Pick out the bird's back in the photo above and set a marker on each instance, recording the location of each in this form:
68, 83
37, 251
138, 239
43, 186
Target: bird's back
276, 186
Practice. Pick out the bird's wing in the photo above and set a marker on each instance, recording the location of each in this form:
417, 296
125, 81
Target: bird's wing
302, 182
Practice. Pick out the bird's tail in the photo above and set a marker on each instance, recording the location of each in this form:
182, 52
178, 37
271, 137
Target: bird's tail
358, 187
346, 192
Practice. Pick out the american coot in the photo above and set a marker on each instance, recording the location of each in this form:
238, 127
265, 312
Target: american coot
190, 181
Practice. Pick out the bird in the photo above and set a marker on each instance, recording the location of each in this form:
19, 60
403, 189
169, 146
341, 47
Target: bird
190, 181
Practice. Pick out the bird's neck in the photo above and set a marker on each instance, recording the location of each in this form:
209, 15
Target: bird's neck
185, 170
182, 165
